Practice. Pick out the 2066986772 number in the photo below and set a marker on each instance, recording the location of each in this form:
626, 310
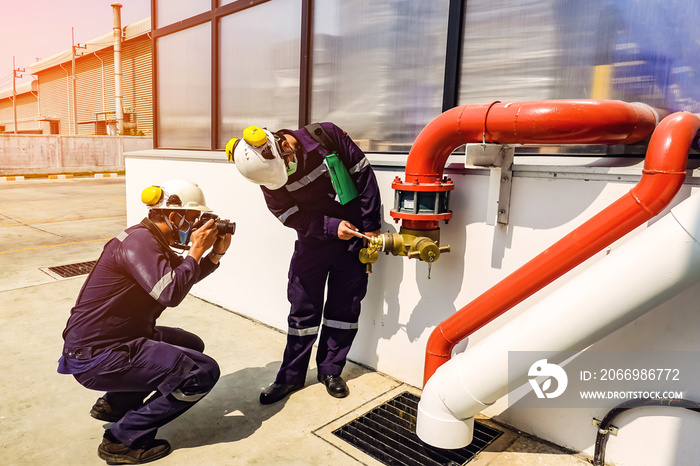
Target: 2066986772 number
640, 374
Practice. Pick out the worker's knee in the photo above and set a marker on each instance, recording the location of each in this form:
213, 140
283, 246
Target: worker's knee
201, 379
178, 337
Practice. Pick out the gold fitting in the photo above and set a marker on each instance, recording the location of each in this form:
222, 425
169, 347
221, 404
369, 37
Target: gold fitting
428, 251
368, 256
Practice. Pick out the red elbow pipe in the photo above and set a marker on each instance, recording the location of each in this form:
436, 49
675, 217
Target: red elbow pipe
663, 175
536, 122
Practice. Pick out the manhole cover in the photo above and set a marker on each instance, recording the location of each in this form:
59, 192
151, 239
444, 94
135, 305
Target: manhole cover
387, 433
73, 270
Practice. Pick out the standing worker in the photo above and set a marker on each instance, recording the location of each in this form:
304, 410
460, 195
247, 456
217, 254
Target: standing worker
318, 182
111, 342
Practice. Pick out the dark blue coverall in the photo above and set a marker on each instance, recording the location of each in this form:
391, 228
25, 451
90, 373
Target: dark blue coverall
307, 203
111, 342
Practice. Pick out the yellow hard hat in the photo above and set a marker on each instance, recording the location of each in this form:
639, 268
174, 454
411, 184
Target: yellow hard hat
175, 195
255, 136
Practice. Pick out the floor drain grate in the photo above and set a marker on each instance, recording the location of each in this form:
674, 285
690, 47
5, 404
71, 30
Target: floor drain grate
387, 433
73, 270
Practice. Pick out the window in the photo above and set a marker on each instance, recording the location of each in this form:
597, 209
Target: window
575, 49
184, 89
259, 77
383, 69
169, 11
508, 52
378, 68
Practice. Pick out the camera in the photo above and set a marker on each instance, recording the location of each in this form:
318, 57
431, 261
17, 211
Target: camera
223, 226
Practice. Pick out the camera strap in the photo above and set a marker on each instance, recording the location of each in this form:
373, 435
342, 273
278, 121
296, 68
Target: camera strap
155, 231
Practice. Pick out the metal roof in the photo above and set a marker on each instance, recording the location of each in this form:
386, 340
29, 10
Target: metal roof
131, 31
23, 88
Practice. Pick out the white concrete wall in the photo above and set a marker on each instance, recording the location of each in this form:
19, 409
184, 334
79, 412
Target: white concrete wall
403, 307
29, 154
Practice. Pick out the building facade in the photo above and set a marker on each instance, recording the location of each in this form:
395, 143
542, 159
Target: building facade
22, 112
60, 101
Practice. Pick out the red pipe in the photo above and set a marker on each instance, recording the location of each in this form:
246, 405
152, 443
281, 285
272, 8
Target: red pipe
662, 177
537, 122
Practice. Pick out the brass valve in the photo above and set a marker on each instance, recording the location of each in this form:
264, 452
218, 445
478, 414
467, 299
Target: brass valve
426, 250
421, 245
368, 256
414, 244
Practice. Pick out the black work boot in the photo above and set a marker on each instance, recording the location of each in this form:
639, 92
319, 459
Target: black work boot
103, 411
335, 385
277, 391
114, 452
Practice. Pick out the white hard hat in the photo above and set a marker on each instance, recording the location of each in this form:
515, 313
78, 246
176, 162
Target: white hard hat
175, 195
257, 156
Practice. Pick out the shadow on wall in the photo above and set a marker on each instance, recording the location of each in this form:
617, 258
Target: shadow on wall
437, 293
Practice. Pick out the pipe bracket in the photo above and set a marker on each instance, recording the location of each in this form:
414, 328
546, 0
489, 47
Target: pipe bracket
612, 430
498, 158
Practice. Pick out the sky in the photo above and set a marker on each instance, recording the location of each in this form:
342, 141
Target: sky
31, 29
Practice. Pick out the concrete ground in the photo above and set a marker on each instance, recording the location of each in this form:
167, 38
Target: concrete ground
44, 415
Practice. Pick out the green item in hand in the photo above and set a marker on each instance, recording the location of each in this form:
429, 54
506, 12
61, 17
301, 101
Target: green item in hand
340, 177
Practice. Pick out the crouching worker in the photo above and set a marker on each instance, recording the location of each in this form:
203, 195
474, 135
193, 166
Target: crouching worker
111, 342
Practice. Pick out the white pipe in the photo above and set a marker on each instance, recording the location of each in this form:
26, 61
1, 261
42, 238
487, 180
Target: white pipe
118, 92
642, 273
102, 66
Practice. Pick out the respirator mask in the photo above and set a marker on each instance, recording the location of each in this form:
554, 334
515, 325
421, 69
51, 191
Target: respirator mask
291, 167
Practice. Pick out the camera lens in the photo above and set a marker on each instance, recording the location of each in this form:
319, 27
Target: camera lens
225, 227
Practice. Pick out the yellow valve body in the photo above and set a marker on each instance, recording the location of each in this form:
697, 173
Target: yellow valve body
368, 256
422, 245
